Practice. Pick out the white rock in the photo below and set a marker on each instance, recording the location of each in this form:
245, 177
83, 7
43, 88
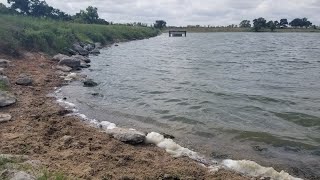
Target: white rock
126, 135
22, 176
5, 117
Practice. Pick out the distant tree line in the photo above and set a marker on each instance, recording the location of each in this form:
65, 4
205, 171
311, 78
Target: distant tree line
39, 8
261, 23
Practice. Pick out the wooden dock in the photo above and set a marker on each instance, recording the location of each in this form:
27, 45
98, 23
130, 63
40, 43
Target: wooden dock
179, 33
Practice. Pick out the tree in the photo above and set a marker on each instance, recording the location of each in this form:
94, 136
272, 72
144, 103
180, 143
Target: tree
277, 24
23, 6
160, 24
259, 24
245, 24
271, 25
296, 23
283, 22
4, 9
306, 23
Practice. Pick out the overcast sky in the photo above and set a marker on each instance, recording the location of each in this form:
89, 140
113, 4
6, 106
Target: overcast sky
203, 12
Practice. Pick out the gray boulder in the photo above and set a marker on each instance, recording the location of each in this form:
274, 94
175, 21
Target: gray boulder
70, 62
80, 50
5, 117
4, 80
64, 68
89, 83
24, 80
82, 58
59, 57
127, 135
88, 47
21, 175
6, 99
1, 71
95, 51
84, 65
4, 63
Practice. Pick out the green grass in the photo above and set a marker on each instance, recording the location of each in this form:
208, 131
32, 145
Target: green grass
50, 36
52, 176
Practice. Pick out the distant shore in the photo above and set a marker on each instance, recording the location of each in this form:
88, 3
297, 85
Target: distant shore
226, 29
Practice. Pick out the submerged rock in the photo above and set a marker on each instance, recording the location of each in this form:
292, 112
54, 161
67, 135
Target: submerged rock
5, 117
59, 57
127, 136
70, 62
4, 63
24, 80
95, 51
6, 99
89, 83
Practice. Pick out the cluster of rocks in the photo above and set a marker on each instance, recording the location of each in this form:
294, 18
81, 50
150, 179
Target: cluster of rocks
6, 98
78, 60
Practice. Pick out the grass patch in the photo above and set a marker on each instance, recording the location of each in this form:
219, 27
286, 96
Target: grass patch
52, 176
51, 36
4, 162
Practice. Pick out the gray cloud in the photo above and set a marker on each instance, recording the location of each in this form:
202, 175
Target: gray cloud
203, 12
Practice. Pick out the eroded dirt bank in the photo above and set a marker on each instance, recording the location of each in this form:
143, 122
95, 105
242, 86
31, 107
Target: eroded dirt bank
38, 128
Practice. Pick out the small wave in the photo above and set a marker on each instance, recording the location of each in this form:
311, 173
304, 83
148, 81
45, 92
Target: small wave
173, 100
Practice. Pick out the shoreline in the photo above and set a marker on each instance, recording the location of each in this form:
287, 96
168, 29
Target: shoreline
233, 164
38, 129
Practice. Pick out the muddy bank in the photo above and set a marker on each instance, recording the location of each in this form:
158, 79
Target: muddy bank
65, 144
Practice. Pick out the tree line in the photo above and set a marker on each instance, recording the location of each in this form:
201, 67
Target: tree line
39, 8
261, 23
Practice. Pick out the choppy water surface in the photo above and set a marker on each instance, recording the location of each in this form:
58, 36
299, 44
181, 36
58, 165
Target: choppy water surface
227, 95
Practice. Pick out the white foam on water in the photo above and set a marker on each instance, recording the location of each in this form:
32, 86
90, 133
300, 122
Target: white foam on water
251, 168
66, 104
171, 147
246, 167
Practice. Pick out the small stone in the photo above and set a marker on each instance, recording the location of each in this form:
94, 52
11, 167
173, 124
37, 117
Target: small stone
5, 118
67, 140
95, 51
259, 148
89, 83
6, 99
4, 63
22, 176
24, 80
1, 71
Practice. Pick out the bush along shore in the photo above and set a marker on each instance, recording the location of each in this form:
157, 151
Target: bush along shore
50, 36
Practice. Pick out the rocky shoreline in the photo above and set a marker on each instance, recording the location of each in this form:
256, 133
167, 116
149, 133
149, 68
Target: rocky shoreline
34, 126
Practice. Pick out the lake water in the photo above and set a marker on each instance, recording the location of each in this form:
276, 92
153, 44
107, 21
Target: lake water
226, 95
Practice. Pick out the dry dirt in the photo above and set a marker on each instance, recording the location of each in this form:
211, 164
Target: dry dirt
39, 124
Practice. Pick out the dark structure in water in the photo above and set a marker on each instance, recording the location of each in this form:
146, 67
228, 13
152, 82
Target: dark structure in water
173, 33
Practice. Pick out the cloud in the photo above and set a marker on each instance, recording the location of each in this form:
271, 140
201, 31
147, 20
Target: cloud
202, 12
